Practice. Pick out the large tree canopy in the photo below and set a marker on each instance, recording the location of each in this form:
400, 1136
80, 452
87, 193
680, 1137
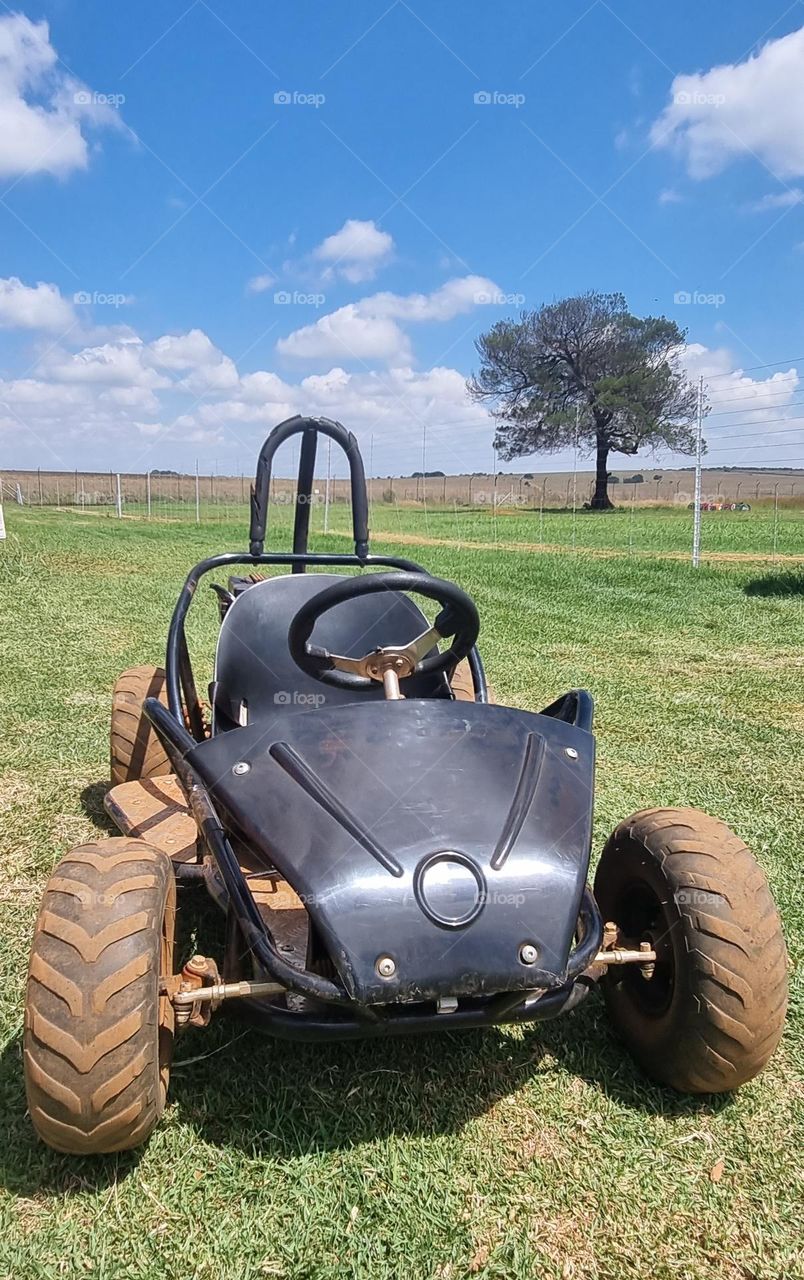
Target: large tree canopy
586, 364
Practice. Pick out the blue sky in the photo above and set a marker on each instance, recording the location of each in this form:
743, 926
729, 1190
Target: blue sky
214, 215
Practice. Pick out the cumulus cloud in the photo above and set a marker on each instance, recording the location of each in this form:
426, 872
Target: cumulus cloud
746, 424
39, 306
754, 107
356, 252
44, 111
369, 329
259, 284
206, 368
128, 400
348, 334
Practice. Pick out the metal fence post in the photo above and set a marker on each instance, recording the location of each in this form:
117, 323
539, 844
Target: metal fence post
696, 520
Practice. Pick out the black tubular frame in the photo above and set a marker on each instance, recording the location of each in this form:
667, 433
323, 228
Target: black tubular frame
309, 429
180, 727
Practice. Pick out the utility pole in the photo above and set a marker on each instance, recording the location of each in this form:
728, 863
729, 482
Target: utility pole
696, 515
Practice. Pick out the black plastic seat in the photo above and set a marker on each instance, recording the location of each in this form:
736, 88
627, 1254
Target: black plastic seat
255, 675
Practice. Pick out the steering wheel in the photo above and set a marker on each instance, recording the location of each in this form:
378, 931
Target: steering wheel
388, 665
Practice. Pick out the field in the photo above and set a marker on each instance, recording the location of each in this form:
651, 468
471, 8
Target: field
515, 1153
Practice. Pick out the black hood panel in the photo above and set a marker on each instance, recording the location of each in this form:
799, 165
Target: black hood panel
442, 835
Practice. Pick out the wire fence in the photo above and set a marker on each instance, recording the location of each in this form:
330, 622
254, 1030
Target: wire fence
744, 514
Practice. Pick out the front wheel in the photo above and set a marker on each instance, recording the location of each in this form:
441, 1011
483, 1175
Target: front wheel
707, 1016
98, 1025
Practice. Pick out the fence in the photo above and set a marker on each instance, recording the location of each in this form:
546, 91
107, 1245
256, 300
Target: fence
744, 514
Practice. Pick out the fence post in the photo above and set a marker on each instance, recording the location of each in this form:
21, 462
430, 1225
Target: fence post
696, 521
328, 484
119, 498
197, 496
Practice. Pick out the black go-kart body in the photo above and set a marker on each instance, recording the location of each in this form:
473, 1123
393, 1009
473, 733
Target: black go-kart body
390, 857
440, 848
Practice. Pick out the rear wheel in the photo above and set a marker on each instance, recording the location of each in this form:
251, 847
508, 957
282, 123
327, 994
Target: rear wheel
135, 750
709, 1014
98, 1033
462, 684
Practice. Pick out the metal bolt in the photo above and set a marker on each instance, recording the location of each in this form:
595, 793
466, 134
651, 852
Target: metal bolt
242, 766
571, 752
528, 953
386, 967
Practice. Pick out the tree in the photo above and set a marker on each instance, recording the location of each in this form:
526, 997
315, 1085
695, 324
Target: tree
585, 360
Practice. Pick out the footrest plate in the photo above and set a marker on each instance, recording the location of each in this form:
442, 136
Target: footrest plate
154, 809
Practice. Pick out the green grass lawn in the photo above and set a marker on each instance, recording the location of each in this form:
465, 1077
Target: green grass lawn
763, 532
507, 1153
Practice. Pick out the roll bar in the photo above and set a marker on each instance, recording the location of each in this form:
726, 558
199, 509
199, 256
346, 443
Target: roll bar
309, 429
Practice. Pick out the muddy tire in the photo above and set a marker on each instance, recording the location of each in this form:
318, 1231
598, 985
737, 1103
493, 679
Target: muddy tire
462, 685
711, 1012
135, 751
98, 1035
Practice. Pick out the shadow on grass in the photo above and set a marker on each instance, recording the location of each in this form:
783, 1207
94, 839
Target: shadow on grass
238, 1088
283, 1100
92, 798
790, 583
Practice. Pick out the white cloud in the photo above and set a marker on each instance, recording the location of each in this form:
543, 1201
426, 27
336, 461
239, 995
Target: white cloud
670, 196
368, 329
132, 403
112, 364
43, 109
259, 284
778, 200
38, 306
348, 334
206, 368
742, 407
356, 252
755, 107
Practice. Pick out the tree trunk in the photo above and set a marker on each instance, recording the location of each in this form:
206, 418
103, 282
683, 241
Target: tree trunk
600, 499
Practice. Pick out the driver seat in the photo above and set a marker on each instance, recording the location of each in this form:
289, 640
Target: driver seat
255, 677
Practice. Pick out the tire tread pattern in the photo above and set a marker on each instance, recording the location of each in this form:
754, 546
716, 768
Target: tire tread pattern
733, 1005
94, 1052
135, 751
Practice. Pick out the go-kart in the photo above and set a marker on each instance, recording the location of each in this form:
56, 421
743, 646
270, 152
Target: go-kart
393, 852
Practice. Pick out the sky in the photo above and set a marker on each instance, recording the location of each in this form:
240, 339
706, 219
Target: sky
213, 216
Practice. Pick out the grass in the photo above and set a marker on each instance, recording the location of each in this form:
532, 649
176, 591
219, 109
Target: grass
498, 1154
763, 532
